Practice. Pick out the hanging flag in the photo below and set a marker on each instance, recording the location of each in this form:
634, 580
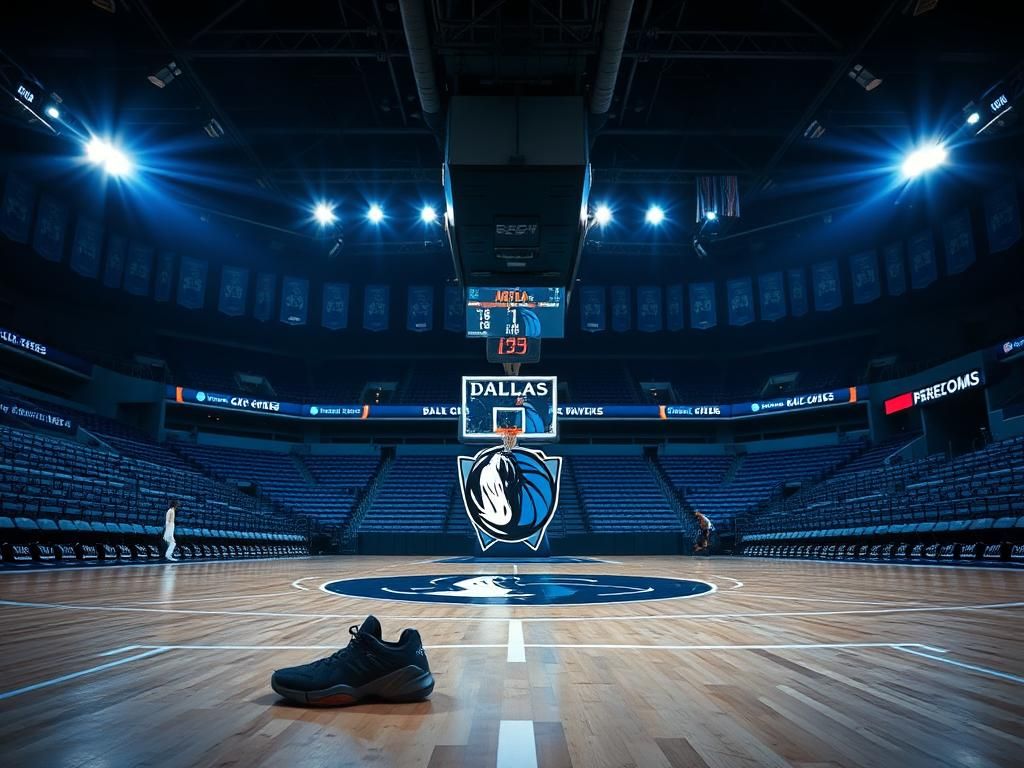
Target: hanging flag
622, 316
265, 296
376, 307
85, 248
334, 315
648, 308
192, 283
16, 218
797, 291
592, 317
827, 293
921, 252
234, 286
138, 269
117, 247
454, 309
294, 300
51, 224
1002, 217
703, 311
740, 293
867, 285
958, 242
164, 276
420, 315
773, 296
674, 307
895, 269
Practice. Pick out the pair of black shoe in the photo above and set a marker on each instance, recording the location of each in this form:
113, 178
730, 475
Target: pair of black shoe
367, 668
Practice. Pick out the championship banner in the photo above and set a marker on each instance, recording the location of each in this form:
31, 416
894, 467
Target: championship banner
622, 316
234, 287
51, 224
867, 285
648, 308
921, 252
454, 309
334, 315
1002, 218
376, 307
675, 312
827, 293
266, 293
117, 248
164, 276
703, 310
192, 283
740, 293
16, 218
138, 269
797, 291
85, 248
294, 300
958, 242
592, 311
420, 308
773, 297
895, 269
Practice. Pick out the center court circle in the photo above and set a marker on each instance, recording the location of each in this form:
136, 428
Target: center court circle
521, 589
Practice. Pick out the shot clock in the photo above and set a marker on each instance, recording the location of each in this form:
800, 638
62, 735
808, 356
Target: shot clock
513, 349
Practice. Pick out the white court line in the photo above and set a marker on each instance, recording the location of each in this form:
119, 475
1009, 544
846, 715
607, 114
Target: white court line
517, 745
175, 564
516, 648
126, 648
737, 582
515, 569
831, 600
298, 583
972, 667
290, 647
64, 678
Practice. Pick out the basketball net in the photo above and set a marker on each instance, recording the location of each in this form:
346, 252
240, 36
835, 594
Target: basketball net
509, 437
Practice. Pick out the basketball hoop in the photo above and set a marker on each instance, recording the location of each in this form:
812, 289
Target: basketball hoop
509, 436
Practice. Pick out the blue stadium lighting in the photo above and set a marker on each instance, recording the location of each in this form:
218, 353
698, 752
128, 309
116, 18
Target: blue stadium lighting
113, 160
375, 214
924, 159
602, 215
655, 215
53, 112
428, 215
324, 214
711, 215
973, 118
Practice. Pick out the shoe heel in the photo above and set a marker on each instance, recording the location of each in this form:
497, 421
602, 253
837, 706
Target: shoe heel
407, 684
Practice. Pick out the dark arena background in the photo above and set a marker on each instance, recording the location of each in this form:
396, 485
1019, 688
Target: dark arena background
652, 371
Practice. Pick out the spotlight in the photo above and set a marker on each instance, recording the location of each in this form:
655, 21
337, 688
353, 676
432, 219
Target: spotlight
114, 161
602, 215
427, 214
655, 215
163, 77
924, 159
711, 215
863, 78
324, 214
53, 112
973, 118
375, 214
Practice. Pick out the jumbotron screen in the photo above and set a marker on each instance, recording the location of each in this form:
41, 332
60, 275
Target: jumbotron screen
537, 313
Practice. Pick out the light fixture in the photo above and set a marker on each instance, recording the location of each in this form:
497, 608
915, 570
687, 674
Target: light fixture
53, 112
924, 159
602, 215
427, 214
973, 118
711, 215
375, 214
324, 214
163, 77
655, 215
863, 78
113, 160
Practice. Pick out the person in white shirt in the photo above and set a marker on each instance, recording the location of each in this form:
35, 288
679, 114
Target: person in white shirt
169, 531
704, 536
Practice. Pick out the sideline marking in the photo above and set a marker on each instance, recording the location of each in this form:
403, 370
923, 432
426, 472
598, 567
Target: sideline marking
972, 667
154, 650
517, 745
516, 648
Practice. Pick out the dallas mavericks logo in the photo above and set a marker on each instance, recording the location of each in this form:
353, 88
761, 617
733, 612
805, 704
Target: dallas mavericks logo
510, 494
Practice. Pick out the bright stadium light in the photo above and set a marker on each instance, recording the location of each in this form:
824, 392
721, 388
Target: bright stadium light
53, 112
427, 214
711, 215
602, 215
973, 118
324, 214
924, 159
114, 161
655, 215
375, 214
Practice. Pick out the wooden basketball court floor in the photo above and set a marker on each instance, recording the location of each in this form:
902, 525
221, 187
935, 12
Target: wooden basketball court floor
786, 664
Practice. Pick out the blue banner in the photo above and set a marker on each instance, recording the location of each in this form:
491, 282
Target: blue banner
622, 315
19, 198
192, 283
648, 308
21, 413
797, 291
420, 315
51, 224
773, 296
117, 248
294, 300
895, 269
592, 317
234, 288
164, 281
454, 309
266, 293
703, 310
1002, 217
27, 346
376, 307
675, 312
334, 315
867, 283
921, 252
827, 293
958, 242
85, 249
740, 294
138, 269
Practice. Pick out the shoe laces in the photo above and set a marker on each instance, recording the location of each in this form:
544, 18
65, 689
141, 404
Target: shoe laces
358, 641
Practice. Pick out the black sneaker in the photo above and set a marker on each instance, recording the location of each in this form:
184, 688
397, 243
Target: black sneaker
366, 667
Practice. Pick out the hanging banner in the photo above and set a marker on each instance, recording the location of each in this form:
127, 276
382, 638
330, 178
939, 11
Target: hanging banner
958, 242
674, 308
334, 314
592, 317
192, 283
740, 293
703, 311
773, 296
895, 269
16, 218
622, 315
265, 296
164, 276
138, 269
867, 285
1002, 217
648, 309
117, 248
921, 252
454, 309
294, 300
51, 224
797, 291
85, 248
825, 279
420, 314
376, 307
234, 288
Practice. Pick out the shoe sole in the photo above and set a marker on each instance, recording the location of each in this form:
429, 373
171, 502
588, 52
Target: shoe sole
403, 685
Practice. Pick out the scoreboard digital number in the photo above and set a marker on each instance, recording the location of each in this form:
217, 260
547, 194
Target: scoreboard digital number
536, 313
513, 349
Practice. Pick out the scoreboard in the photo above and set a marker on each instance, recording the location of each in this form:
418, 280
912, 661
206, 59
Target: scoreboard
535, 313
